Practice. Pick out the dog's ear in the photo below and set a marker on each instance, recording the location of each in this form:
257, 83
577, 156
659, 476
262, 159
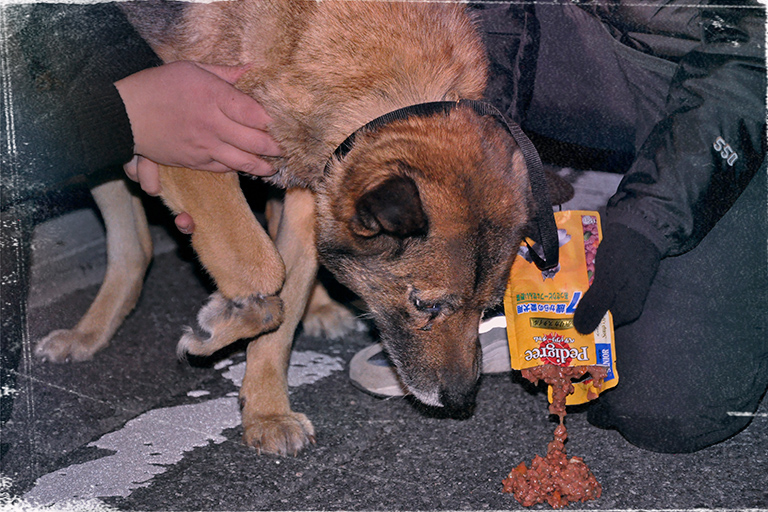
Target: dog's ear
392, 207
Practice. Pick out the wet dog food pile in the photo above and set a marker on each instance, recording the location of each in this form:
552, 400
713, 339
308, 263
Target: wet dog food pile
555, 479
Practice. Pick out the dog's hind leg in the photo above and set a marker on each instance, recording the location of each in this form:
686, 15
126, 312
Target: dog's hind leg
236, 252
129, 251
270, 424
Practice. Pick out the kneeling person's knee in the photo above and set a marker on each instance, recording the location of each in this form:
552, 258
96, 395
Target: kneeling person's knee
669, 432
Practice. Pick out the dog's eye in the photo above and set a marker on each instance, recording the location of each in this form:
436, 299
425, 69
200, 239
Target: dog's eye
431, 308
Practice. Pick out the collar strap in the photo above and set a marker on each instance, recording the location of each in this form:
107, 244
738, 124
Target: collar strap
545, 229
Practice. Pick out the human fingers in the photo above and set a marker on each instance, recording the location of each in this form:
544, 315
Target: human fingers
235, 104
148, 173
145, 172
185, 223
233, 158
243, 122
253, 141
244, 110
131, 168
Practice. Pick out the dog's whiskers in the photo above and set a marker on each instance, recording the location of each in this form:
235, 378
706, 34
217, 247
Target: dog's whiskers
367, 316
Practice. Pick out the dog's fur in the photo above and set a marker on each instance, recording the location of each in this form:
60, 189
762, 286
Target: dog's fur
422, 218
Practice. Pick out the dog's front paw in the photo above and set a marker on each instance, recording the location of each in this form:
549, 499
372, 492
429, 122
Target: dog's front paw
330, 320
224, 321
67, 345
281, 434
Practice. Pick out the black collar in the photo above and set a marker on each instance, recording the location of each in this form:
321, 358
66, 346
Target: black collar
544, 225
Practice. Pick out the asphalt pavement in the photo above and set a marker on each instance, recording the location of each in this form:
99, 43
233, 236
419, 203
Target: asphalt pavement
137, 429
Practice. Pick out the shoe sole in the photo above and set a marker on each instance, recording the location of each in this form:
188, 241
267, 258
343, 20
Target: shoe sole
381, 381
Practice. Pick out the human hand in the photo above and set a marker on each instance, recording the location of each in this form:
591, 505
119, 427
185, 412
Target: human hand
189, 115
625, 266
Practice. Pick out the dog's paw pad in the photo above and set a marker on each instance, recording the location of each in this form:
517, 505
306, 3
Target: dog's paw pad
285, 434
65, 345
223, 321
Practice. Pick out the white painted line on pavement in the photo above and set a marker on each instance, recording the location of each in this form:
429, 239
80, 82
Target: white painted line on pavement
148, 444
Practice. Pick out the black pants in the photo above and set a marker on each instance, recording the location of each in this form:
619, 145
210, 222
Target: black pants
697, 358
695, 364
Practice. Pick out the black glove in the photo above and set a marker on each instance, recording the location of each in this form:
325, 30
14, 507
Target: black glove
625, 266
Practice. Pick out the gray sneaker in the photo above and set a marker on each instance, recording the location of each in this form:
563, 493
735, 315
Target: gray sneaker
371, 371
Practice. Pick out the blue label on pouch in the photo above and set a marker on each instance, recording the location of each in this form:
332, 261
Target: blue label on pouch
605, 358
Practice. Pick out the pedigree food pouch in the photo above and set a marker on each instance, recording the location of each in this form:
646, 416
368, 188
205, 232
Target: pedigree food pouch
539, 307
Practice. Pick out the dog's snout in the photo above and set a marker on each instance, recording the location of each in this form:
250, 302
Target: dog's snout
459, 383
459, 398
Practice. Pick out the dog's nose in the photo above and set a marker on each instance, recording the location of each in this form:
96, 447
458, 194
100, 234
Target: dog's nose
458, 398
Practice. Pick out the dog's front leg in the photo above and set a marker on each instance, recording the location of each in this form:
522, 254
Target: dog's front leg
323, 317
235, 250
270, 424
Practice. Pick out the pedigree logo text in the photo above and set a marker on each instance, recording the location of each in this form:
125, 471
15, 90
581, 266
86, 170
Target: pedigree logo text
555, 349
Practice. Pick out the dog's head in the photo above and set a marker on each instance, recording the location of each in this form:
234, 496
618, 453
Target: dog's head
422, 219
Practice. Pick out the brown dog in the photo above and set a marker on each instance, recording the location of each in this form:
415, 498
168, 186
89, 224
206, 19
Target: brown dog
421, 216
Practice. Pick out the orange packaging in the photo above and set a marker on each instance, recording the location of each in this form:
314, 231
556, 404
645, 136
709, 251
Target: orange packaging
539, 307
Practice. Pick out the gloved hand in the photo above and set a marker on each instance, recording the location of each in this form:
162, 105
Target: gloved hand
625, 266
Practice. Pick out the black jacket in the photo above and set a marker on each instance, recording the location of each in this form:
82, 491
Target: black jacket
711, 140
680, 87
67, 119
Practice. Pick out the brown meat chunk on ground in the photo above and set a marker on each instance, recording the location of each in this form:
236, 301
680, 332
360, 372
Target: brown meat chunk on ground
555, 479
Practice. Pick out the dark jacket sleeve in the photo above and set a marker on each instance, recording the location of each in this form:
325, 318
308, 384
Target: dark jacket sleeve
511, 35
70, 119
711, 141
